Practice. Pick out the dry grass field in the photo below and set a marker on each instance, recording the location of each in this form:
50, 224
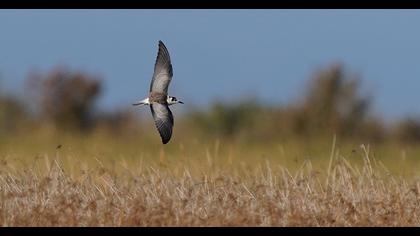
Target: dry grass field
77, 185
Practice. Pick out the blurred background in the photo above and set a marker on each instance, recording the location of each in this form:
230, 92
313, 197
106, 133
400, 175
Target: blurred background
254, 82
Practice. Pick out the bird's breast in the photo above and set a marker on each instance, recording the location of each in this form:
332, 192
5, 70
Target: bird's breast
158, 97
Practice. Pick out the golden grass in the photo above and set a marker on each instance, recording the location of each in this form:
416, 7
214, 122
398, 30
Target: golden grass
202, 187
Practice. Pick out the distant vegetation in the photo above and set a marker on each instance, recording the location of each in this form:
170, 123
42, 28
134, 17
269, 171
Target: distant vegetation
332, 103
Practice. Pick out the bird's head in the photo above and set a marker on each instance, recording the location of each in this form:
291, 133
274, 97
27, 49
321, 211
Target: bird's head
173, 100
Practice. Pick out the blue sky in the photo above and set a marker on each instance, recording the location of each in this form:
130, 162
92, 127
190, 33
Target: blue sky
219, 53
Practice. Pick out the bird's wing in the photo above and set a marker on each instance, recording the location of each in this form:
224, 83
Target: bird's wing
163, 73
164, 120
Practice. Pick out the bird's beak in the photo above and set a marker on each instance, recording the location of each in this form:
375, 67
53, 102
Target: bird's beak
181, 102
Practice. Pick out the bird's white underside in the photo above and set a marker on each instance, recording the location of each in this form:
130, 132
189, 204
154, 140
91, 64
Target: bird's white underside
146, 101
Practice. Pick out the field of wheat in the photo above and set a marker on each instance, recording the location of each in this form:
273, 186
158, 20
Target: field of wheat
90, 182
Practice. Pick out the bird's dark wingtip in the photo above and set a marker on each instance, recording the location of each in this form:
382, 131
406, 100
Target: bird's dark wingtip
165, 140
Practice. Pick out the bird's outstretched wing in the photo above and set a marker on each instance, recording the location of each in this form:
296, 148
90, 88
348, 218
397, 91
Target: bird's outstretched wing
164, 120
163, 73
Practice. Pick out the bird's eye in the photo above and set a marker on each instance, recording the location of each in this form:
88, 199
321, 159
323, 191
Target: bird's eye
173, 99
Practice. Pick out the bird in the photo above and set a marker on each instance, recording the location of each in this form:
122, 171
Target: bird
158, 99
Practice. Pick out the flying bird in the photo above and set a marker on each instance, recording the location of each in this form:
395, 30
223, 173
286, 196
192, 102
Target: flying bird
158, 99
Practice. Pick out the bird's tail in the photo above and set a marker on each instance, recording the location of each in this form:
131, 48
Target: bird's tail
142, 102
139, 104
